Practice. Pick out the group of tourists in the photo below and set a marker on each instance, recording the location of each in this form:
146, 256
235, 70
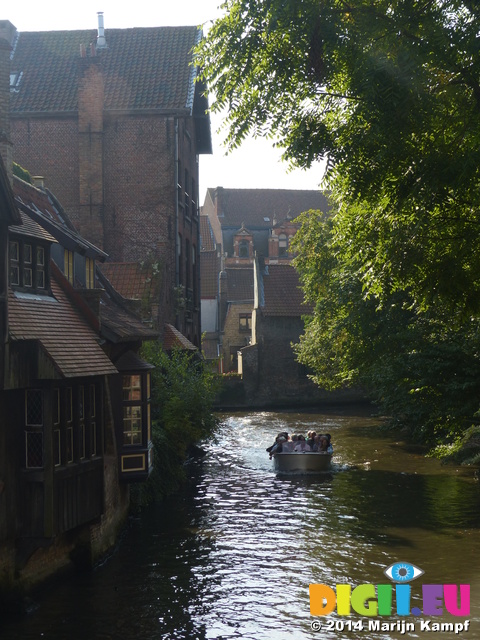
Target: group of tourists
320, 443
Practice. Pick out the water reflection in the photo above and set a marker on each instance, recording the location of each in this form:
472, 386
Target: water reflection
232, 557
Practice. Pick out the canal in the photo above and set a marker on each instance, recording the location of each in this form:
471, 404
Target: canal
234, 554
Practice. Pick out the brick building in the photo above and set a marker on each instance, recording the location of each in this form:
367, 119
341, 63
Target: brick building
115, 121
74, 395
240, 224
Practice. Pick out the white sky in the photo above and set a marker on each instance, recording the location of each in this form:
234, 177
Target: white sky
255, 165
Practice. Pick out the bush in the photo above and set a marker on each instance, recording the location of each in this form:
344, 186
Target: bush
182, 396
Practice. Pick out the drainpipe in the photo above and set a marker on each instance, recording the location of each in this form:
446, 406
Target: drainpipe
176, 208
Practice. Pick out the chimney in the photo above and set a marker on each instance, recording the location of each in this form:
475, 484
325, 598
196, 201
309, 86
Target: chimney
7, 36
39, 182
101, 41
90, 149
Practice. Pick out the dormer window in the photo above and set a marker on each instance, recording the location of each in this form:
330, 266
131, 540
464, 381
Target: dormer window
282, 245
28, 265
15, 79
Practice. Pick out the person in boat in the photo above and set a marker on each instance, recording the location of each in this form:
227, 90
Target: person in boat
329, 443
302, 444
277, 446
311, 439
321, 444
289, 444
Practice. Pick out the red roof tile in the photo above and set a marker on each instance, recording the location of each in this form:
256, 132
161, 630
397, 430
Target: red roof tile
130, 279
207, 239
144, 68
240, 284
209, 270
172, 338
258, 208
282, 293
32, 229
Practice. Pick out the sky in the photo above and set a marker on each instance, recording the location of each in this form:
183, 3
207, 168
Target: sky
255, 165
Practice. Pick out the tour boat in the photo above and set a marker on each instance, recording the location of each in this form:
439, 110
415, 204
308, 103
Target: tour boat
302, 462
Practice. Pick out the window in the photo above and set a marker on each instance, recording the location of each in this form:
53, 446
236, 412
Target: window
40, 273
282, 245
27, 265
245, 322
89, 273
68, 265
132, 409
15, 78
243, 247
193, 196
34, 428
187, 197
57, 441
93, 422
136, 409
81, 415
179, 259
14, 250
69, 423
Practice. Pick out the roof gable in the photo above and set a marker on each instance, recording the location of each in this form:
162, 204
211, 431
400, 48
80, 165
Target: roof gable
144, 68
66, 337
263, 208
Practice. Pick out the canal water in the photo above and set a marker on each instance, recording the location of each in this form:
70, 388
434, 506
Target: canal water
234, 554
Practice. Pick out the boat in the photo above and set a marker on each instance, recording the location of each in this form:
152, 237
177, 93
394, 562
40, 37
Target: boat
302, 462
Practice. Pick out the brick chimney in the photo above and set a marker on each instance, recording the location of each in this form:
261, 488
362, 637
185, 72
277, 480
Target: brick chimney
7, 36
90, 141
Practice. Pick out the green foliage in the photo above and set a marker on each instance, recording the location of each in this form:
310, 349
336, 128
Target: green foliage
420, 367
388, 93
182, 395
22, 173
464, 450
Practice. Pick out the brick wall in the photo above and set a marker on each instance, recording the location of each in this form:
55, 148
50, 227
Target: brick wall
119, 187
233, 338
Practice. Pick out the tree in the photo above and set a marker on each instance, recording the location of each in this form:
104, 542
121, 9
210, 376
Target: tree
183, 391
388, 92
419, 367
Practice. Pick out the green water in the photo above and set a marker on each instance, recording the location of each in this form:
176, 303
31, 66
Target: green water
234, 554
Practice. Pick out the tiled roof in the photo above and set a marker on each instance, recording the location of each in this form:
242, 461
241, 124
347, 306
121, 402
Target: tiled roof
130, 279
32, 229
8, 210
240, 284
258, 208
66, 337
172, 338
209, 269
44, 211
210, 348
282, 293
207, 239
120, 325
144, 68
131, 361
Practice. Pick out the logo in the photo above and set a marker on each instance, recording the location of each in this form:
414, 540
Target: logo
393, 598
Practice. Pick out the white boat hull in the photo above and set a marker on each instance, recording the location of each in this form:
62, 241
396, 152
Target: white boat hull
302, 462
